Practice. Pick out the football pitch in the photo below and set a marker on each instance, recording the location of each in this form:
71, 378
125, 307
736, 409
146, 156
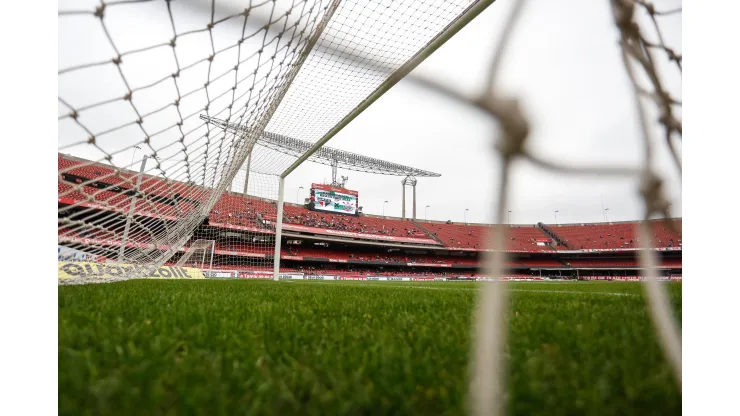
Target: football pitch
353, 348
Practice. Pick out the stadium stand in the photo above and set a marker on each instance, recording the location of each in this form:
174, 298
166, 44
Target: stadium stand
618, 235
524, 238
541, 263
603, 262
462, 242
365, 224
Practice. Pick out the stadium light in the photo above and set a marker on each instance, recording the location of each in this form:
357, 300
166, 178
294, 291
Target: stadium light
425, 213
465, 215
384, 202
297, 201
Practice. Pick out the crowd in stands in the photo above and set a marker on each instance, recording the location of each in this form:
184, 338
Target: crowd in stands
363, 224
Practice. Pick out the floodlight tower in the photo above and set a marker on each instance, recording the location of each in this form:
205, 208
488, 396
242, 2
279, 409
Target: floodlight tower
409, 180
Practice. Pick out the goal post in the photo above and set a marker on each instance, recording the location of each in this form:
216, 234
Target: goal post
394, 76
198, 255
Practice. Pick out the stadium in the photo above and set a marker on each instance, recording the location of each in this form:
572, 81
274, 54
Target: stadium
191, 281
318, 244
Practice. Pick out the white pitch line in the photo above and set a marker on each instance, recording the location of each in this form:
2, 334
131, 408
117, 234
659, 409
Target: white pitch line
473, 288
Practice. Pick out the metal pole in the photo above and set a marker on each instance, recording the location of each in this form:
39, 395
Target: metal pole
246, 178
403, 199
606, 214
404, 70
509, 219
297, 201
426, 218
213, 250
131, 209
465, 215
278, 230
384, 202
556, 217
414, 196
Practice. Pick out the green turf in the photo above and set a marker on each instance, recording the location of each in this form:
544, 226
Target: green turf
351, 348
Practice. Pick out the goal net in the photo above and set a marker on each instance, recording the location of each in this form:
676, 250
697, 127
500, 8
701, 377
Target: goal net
198, 255
163, 106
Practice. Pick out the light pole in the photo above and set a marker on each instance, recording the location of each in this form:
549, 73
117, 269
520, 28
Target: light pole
425, 213
556, 217
509, 220
384, 202
606, 214
297, 201
465, 215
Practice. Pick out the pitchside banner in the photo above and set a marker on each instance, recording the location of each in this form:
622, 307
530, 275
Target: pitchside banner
334, 199
82, 270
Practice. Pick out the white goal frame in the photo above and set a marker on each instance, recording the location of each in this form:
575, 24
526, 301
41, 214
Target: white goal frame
392, 80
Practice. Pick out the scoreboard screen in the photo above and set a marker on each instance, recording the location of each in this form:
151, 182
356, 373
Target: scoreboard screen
333, 199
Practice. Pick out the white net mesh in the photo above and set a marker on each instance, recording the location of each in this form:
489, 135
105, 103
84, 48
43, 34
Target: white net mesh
140, 171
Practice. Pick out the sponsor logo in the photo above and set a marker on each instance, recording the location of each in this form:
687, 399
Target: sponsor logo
395, 278
85, 270
314, 277
373, 278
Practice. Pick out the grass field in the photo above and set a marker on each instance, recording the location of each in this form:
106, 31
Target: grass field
352, 348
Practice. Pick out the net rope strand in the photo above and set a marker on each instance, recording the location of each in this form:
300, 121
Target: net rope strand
487, 365
195, 159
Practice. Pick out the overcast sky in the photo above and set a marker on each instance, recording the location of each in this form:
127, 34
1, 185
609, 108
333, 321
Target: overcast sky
565, 66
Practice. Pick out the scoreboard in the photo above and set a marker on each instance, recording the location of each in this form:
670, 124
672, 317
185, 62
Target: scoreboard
333, 199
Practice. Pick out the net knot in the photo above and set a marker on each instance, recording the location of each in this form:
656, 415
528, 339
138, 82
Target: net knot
100, 11
514, 125
624, 10
651, 189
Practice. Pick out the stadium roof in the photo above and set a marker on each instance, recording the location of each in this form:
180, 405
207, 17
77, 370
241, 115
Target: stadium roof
326, 155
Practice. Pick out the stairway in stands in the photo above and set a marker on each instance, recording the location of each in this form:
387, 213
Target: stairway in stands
430, 234
558, 241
